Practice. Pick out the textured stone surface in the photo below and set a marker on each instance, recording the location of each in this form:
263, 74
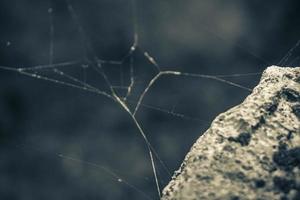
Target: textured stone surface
252, 151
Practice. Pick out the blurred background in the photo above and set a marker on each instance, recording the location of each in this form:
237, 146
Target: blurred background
58, 142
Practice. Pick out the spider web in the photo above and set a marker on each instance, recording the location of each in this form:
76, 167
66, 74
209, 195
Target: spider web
121, 82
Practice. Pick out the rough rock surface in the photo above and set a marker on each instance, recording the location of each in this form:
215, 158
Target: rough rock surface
252, 151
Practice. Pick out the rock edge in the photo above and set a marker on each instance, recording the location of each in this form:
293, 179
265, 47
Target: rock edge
251, 151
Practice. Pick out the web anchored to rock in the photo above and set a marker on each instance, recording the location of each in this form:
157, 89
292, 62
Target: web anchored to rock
252, 151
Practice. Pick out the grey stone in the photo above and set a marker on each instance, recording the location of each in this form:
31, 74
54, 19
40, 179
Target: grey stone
251, 151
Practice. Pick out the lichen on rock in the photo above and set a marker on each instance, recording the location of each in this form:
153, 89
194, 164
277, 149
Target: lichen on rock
252, 151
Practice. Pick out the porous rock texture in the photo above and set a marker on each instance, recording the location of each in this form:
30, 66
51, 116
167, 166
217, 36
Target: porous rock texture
252, 151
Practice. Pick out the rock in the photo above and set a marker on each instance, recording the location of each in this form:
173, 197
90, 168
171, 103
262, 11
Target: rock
252, 151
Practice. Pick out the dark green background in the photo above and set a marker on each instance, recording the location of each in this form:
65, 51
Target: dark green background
40, 120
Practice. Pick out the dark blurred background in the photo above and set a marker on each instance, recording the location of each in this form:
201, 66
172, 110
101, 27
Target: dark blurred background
40, 120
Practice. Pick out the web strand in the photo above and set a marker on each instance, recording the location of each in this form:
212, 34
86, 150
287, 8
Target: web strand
51, 35
135, 25
99, 69
238, 45
108, 171
288, 54
97, 166
87, 87
178, 73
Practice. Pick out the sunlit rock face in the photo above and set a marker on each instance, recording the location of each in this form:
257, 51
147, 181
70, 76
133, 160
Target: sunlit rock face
252, 151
